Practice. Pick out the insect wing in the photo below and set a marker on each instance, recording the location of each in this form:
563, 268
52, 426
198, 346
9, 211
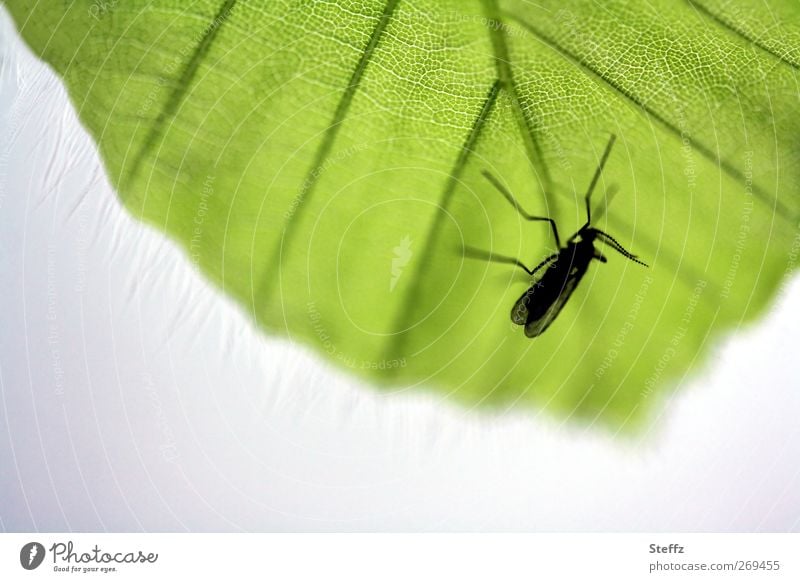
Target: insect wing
519, 313
537, 326
533, 297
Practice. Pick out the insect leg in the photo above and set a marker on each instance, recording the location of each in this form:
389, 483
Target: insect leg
513, 201
544, 263
602, 206
473, 253
596, 176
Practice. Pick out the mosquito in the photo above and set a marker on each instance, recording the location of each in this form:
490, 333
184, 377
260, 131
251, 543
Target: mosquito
539, 306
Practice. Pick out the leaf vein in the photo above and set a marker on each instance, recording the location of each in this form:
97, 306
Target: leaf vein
397, 343
740, 32
497, 33
182, 86
325, 146
774, 202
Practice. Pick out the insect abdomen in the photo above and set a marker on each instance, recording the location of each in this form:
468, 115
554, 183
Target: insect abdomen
542, 302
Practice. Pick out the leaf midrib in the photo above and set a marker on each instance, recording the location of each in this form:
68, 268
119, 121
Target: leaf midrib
396, 344
267, 283
730, 26
180, 90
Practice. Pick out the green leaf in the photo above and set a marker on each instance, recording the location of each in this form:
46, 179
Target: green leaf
322, 163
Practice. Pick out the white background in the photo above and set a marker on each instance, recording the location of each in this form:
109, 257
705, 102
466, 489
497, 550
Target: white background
136, 397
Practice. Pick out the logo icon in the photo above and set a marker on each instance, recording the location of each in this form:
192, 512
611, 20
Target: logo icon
402, 255
31, 555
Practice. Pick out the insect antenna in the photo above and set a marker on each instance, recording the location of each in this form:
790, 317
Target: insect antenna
596, 176
513, 201
612, 242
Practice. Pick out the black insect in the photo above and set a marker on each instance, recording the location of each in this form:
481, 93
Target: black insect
540, 305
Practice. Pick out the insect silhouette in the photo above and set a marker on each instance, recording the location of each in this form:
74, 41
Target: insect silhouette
539, 306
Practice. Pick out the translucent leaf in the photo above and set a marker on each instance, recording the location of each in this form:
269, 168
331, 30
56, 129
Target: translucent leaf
324, 164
